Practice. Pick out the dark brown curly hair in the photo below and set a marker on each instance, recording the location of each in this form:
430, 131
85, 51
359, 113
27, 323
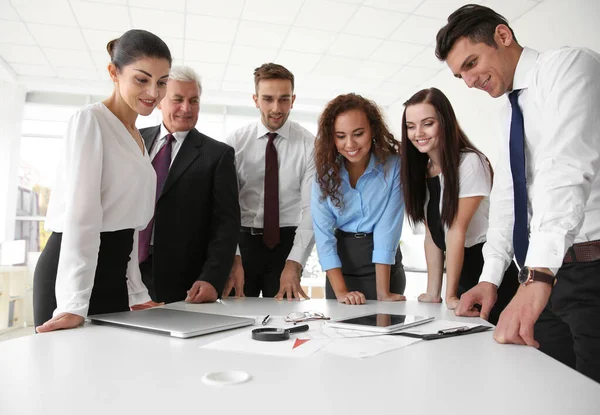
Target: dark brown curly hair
327, 159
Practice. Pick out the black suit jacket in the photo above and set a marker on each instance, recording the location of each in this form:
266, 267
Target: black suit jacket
197, 217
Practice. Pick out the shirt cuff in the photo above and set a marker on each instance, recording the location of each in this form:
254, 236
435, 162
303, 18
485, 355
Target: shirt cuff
237, 251
381, 256
493, 270
139, 298
298, 254
330, 262
79, 309
546, 250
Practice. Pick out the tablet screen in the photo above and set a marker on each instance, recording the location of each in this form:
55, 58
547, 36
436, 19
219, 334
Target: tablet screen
381, 320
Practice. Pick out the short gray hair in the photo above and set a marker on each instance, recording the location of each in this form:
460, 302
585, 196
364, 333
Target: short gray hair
185, 74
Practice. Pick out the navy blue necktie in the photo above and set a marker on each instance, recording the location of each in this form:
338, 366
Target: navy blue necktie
517, 167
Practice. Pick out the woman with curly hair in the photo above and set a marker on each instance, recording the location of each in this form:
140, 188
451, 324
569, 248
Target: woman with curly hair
447, 182
356, 204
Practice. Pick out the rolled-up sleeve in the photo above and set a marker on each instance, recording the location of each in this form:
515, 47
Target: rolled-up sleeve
323, 221
387, 230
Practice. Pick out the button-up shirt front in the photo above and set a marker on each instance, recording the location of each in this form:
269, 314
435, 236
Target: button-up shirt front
295, 146
375, 206
560, 101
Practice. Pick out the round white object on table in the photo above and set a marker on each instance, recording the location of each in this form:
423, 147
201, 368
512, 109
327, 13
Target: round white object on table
230, 377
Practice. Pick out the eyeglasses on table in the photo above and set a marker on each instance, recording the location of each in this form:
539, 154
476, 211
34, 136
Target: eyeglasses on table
300, 316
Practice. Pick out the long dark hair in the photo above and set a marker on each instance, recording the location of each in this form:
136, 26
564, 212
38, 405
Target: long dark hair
327, 162
413, 171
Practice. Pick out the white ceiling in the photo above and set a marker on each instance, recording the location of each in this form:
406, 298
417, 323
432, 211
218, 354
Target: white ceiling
380, 48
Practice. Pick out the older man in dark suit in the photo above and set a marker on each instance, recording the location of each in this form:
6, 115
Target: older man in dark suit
187, 250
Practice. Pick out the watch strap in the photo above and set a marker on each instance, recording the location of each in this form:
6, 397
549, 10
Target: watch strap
542, 277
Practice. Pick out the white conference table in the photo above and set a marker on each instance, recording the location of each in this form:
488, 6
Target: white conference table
107, 370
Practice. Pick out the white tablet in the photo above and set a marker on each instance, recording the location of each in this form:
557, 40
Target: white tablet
381, 323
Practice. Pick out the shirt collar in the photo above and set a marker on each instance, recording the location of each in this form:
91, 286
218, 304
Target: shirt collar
179, 135
284, 131
374, 165
524, 70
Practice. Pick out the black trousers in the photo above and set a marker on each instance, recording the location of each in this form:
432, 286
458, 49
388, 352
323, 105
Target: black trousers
569, 327
471, 271
109, 294
358, 269
262, 265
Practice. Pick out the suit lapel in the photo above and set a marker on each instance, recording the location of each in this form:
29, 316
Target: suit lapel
189, 151
150, 135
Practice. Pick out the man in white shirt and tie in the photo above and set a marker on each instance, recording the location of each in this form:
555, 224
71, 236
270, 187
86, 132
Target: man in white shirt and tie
545, 201
275, 167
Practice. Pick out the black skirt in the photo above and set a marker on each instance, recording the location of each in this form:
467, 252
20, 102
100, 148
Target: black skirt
110, 280
356, 255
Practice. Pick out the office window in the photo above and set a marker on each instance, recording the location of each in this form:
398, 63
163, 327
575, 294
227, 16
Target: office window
41, 144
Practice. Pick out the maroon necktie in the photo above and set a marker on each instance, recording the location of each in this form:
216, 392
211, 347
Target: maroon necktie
161, 163
271, 213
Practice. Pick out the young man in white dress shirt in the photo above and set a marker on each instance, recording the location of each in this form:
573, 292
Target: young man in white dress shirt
545, 202
275, 166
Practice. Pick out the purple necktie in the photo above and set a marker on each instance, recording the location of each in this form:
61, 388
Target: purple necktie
161, 163
271, 208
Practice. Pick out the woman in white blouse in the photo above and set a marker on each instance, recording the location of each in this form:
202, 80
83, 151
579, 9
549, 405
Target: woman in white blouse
104, 194
447, 182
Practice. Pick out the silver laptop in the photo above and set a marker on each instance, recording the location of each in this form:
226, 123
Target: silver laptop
176, 323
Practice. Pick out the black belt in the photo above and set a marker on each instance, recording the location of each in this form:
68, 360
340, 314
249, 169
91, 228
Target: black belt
260, 231
358, 235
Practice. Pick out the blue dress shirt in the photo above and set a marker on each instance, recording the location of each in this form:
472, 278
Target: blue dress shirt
375, 206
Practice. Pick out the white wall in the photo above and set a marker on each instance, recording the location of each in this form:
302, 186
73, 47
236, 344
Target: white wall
563, 22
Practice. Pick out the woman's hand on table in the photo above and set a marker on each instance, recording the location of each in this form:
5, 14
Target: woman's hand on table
60, 322
452, 302
390, 297
429, 298
352, 298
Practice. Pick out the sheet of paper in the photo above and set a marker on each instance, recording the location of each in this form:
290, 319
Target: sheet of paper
341, 342
299, 344
361, 344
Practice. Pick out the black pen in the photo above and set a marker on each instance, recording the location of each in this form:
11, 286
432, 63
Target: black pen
266, 320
